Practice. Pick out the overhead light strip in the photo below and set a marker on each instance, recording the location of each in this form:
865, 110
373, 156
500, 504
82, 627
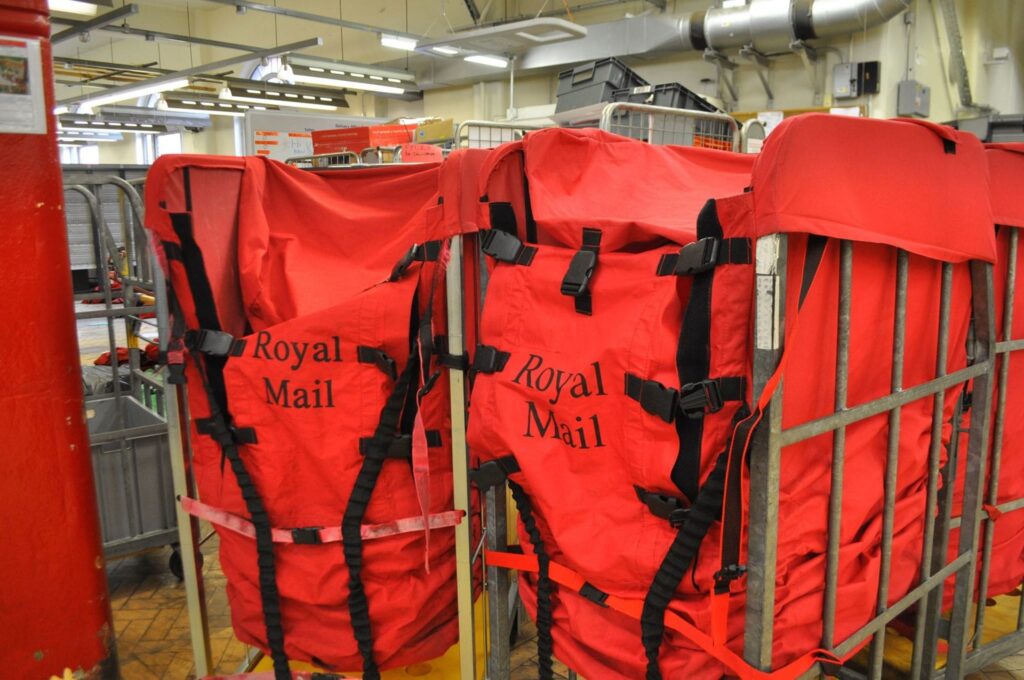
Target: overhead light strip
274, 98
336, 77
118, 95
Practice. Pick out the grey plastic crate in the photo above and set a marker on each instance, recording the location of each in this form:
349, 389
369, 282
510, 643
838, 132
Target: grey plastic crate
133, 479
594, 83
672, 95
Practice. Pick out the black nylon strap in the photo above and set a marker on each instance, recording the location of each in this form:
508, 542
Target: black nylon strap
216, 428
815, 250
576, 282
677, 561
172, 250
594, 594
400, 446
379, 358
211, 370
503, 217
531, 224
692, 400
693, 359
705, 254
545, 587
359, 499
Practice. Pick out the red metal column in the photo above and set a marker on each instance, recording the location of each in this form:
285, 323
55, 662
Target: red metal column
54, 606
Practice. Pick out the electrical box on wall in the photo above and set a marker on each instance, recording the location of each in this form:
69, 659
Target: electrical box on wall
854, 79
913, 99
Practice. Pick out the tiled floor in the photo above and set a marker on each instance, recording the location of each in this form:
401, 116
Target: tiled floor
151, 619
153, 636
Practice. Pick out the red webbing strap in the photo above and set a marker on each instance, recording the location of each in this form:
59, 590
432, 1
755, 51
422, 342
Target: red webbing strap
568, 578
241, 525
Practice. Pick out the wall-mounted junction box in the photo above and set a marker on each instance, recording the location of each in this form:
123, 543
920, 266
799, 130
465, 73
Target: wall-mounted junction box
913, 99
854, 79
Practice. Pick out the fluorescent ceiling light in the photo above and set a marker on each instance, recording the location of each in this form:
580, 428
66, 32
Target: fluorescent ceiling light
136, 131
351, 84
444, 49
58, 110
87, 105
75, 138
72, 7
196, 106
276, 101
733, 3
397, 42
488, 60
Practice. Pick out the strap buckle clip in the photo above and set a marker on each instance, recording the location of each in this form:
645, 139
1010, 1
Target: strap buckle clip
489, 359
697, 257
581, 268
501, 245
659, 400
727, 575
488, 474
306, 536
697, 398
665, 507
215, 343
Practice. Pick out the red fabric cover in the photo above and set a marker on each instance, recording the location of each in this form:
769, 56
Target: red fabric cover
617, 548
1006, 175
637, 193
876, 181
299, 255
304, 468
1006, 171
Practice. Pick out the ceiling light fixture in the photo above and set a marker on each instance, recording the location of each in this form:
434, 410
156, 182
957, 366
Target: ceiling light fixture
445, 50
72, 7
196, 106
91, 103
272, 98
488, 60
354, 80
398, 42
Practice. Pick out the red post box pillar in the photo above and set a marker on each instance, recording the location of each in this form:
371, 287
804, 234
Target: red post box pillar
54, 605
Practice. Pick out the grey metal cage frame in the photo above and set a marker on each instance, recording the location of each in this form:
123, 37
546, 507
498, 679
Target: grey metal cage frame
772, 438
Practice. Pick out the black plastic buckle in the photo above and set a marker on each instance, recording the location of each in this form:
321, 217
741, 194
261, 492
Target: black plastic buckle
419, 252
595, 595
699, 256
727, 575
306, 536
214, 343
581, 268
489, 359
501, 245
659, 400
488, 474
697, 398
665, 507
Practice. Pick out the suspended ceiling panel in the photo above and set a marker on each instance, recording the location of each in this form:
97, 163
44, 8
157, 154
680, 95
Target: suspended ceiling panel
514, 38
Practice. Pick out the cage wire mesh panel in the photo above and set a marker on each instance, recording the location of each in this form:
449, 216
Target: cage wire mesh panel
483, 134
664, 125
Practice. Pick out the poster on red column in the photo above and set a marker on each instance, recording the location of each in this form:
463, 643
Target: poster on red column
22, 106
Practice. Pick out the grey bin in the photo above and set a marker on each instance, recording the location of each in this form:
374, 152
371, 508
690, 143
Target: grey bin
131, 466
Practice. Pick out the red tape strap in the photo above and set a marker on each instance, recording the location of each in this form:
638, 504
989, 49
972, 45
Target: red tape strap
241, 525
568, 578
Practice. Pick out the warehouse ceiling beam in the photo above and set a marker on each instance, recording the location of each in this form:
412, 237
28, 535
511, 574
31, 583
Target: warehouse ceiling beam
204, 69
82, 28
160, 35
243, 5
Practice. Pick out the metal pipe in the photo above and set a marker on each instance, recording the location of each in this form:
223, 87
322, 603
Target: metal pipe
891, 460
927, 615
835, 498
83, 27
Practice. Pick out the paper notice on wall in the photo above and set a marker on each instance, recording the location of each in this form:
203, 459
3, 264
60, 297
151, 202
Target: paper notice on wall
770, 119
22, 100
283, 145
845, 111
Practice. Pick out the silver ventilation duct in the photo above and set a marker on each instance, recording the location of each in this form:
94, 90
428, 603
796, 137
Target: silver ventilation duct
769, 26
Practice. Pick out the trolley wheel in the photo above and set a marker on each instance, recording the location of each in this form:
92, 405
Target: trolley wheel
176, 566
